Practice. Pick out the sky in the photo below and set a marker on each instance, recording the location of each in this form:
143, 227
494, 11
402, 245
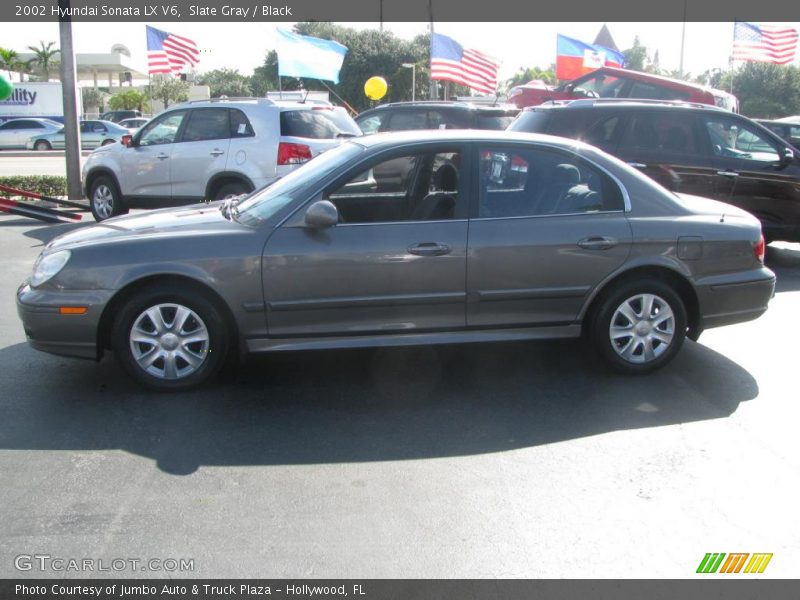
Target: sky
242, 46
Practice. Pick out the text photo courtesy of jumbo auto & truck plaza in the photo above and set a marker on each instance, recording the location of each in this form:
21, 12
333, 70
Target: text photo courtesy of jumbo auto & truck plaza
371, 299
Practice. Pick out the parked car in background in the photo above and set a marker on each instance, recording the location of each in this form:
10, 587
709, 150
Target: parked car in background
610, 82
133, 124
16, 132
210, 149
691, 148
115, 116
526, 237
93, 135
404, 116
786, 129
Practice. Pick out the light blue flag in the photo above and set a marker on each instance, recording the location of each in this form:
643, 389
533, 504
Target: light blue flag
305, 56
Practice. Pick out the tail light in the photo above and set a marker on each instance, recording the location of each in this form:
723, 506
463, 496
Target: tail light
293, 154
760, 249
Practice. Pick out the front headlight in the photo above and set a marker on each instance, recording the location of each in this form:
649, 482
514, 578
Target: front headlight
48, 266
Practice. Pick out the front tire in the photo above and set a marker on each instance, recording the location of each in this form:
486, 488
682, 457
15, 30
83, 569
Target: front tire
169, 338
640, 326
105, 200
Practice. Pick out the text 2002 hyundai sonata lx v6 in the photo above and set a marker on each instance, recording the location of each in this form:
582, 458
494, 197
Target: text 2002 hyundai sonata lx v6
399, 239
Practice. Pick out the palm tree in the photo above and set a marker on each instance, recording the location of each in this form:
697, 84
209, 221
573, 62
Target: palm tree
44, 57
9, 60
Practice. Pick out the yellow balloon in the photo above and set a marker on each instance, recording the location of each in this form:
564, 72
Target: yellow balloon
375, 88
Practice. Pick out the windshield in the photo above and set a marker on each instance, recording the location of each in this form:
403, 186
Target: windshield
266, 202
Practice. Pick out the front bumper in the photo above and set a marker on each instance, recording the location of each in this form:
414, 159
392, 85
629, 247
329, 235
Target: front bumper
734, 298
64, 334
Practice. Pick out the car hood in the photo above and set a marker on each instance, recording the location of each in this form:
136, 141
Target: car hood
706, 207
202, 219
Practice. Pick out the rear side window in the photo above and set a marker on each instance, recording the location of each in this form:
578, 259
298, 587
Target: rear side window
451, 119
240, 125
522, 182
308, 124
207, 124
496, 122
654, 92
406, 120
663, 131
532, 121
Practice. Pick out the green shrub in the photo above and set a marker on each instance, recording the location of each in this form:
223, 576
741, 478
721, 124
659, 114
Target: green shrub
48, 185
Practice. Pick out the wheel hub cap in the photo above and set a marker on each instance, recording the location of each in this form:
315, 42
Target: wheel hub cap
642, 328
169, 341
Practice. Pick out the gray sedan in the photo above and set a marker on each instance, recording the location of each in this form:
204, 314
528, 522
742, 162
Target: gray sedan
93, 135
485, 237
16, 132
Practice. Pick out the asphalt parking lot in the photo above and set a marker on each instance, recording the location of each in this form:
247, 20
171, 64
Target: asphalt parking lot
502, 460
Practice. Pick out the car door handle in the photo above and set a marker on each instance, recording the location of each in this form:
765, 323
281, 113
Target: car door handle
728, 173
636, 165
162, 156
598, 243
216, 152
429, 249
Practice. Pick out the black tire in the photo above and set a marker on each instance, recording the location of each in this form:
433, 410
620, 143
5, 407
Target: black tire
161, 298
42, 145
105, 201
627, 354
107, 142
229, 190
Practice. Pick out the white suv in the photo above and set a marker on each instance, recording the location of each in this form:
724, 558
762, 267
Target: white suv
209, 150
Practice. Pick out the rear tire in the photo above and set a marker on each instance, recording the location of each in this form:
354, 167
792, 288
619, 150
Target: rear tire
105, 201
170, 338
639, 326
42, 145
231, 190
107, 142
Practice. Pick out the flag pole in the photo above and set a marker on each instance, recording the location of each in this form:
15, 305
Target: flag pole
731, 59
433, 94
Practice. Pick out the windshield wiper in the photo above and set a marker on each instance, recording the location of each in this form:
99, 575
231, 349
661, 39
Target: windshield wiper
344, 134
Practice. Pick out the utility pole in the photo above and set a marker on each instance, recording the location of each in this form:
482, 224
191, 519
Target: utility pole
72, 139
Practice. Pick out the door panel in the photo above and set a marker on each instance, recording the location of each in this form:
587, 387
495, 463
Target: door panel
364, 278
547, 228
396, 264
526, 271
145, 168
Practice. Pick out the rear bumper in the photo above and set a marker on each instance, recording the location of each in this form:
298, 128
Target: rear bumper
736, 298
66, 335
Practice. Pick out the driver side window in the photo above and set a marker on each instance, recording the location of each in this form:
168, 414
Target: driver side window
730, 139
417, 187
162, 130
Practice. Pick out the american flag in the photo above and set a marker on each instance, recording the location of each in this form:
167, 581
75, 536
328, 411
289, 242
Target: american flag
765, 43
169, 53
451, 62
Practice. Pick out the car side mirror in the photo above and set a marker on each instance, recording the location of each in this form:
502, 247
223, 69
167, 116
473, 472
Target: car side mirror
321, 215
127, 140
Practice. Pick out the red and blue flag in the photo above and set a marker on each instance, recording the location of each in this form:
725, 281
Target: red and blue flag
575, 58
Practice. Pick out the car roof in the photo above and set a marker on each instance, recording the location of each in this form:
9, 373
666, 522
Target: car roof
379, 140
626, 103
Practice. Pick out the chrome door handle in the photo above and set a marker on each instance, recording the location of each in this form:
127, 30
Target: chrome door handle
429, 249
162, 156
598, 243
636, 165
728, 173
216, 152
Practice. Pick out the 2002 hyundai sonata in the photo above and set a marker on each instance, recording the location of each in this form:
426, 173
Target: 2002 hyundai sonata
399, 239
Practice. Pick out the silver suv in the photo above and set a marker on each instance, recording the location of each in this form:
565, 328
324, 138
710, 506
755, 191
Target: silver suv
210, 150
